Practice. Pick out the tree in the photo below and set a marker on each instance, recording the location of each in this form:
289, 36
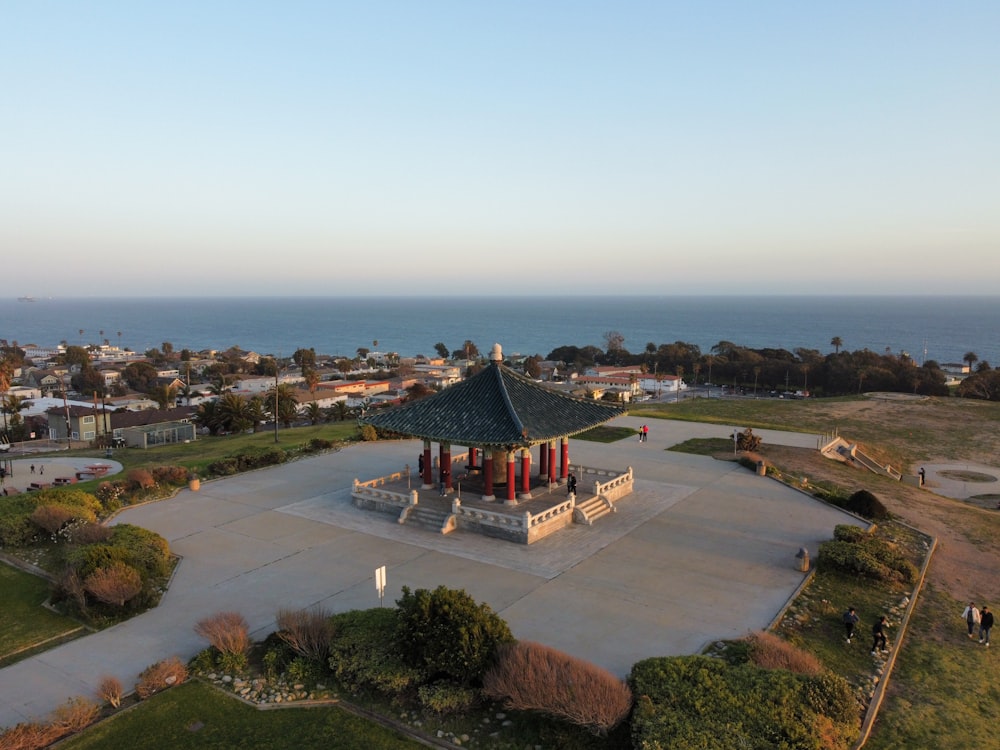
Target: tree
209, 416
76, 355
312, 379
234, 412
163, 395
305, 358
836, 342
446, 633
418, 391
345, 365
88, 380
970, 358
285, 407
314, 412
141, 376
340, 410
532, 368
441, 350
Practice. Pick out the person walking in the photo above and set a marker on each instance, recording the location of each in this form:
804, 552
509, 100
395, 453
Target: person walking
878, 636
642, 432
32, 468
850, 620
985, 625
571, 484
645, 433
971, 617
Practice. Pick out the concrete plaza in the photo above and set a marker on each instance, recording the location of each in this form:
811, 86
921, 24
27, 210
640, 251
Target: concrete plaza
702, 550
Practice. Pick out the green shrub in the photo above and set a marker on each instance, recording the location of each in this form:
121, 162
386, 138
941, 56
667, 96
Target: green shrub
224, 467
866, 505
870, 557
368, 433
140, 479
17, 531
444, 632
845, 532
319, 444
447, 697
147, 551
363, 652
697, 702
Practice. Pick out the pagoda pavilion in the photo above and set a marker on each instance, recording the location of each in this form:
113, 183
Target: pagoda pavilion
500, 415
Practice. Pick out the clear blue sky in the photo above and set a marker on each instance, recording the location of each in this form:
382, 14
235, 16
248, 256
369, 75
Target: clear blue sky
561, 146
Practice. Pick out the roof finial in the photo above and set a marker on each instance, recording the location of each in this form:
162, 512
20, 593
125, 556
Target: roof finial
496, 354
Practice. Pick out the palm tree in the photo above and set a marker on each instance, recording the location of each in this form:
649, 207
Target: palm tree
756, 374
341, 409
209, 416
836, 342
971, 358
257, 412
235, 414
314, 412
283, 404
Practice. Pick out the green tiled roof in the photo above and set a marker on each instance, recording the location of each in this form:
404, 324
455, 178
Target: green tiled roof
495, 407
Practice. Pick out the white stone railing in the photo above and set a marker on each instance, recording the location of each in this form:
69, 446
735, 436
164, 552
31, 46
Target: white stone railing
549, 513
616, 487
491, 518
372, 490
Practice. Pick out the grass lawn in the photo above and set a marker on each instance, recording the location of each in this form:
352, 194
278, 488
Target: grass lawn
23, 620
198, 454
195, 715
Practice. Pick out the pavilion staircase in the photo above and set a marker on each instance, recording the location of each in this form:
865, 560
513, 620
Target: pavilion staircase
589, 510
435, 519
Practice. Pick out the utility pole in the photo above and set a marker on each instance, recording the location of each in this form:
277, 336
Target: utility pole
275, 401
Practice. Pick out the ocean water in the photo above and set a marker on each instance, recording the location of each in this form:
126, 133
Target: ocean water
939, 328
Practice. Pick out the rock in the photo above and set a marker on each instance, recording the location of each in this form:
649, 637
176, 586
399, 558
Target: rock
227, 679
501, 717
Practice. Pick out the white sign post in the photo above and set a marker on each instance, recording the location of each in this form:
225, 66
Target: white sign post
380, 583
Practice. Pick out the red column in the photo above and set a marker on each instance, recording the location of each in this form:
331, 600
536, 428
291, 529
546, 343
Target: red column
445, 467
543, 459
487, 475
526, 471
472, 456
564, 469
552, 461
428, 466
511, 479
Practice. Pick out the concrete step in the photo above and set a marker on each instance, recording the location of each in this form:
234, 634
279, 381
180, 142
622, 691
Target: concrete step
591, 509
430, 518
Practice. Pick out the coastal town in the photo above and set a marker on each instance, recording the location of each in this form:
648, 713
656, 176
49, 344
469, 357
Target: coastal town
105, 396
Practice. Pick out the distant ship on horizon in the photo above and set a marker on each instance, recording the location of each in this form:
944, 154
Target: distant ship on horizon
25, 299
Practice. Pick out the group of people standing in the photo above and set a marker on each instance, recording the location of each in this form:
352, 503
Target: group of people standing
879, 640
643, 433
984, 620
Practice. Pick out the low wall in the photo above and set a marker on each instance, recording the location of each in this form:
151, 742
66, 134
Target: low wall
617, 488
522, 528
370, 495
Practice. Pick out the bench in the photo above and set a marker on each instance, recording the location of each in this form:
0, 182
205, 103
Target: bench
60, 481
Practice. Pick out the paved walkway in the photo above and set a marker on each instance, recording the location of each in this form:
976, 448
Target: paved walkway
702, 550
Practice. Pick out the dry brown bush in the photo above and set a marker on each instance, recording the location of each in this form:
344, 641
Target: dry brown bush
74, 716
110, 689
307, 631
28, 737
115, 584
531, 677
141, 479
52, 518
90, 533
160, 676
227, 631
768, 651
